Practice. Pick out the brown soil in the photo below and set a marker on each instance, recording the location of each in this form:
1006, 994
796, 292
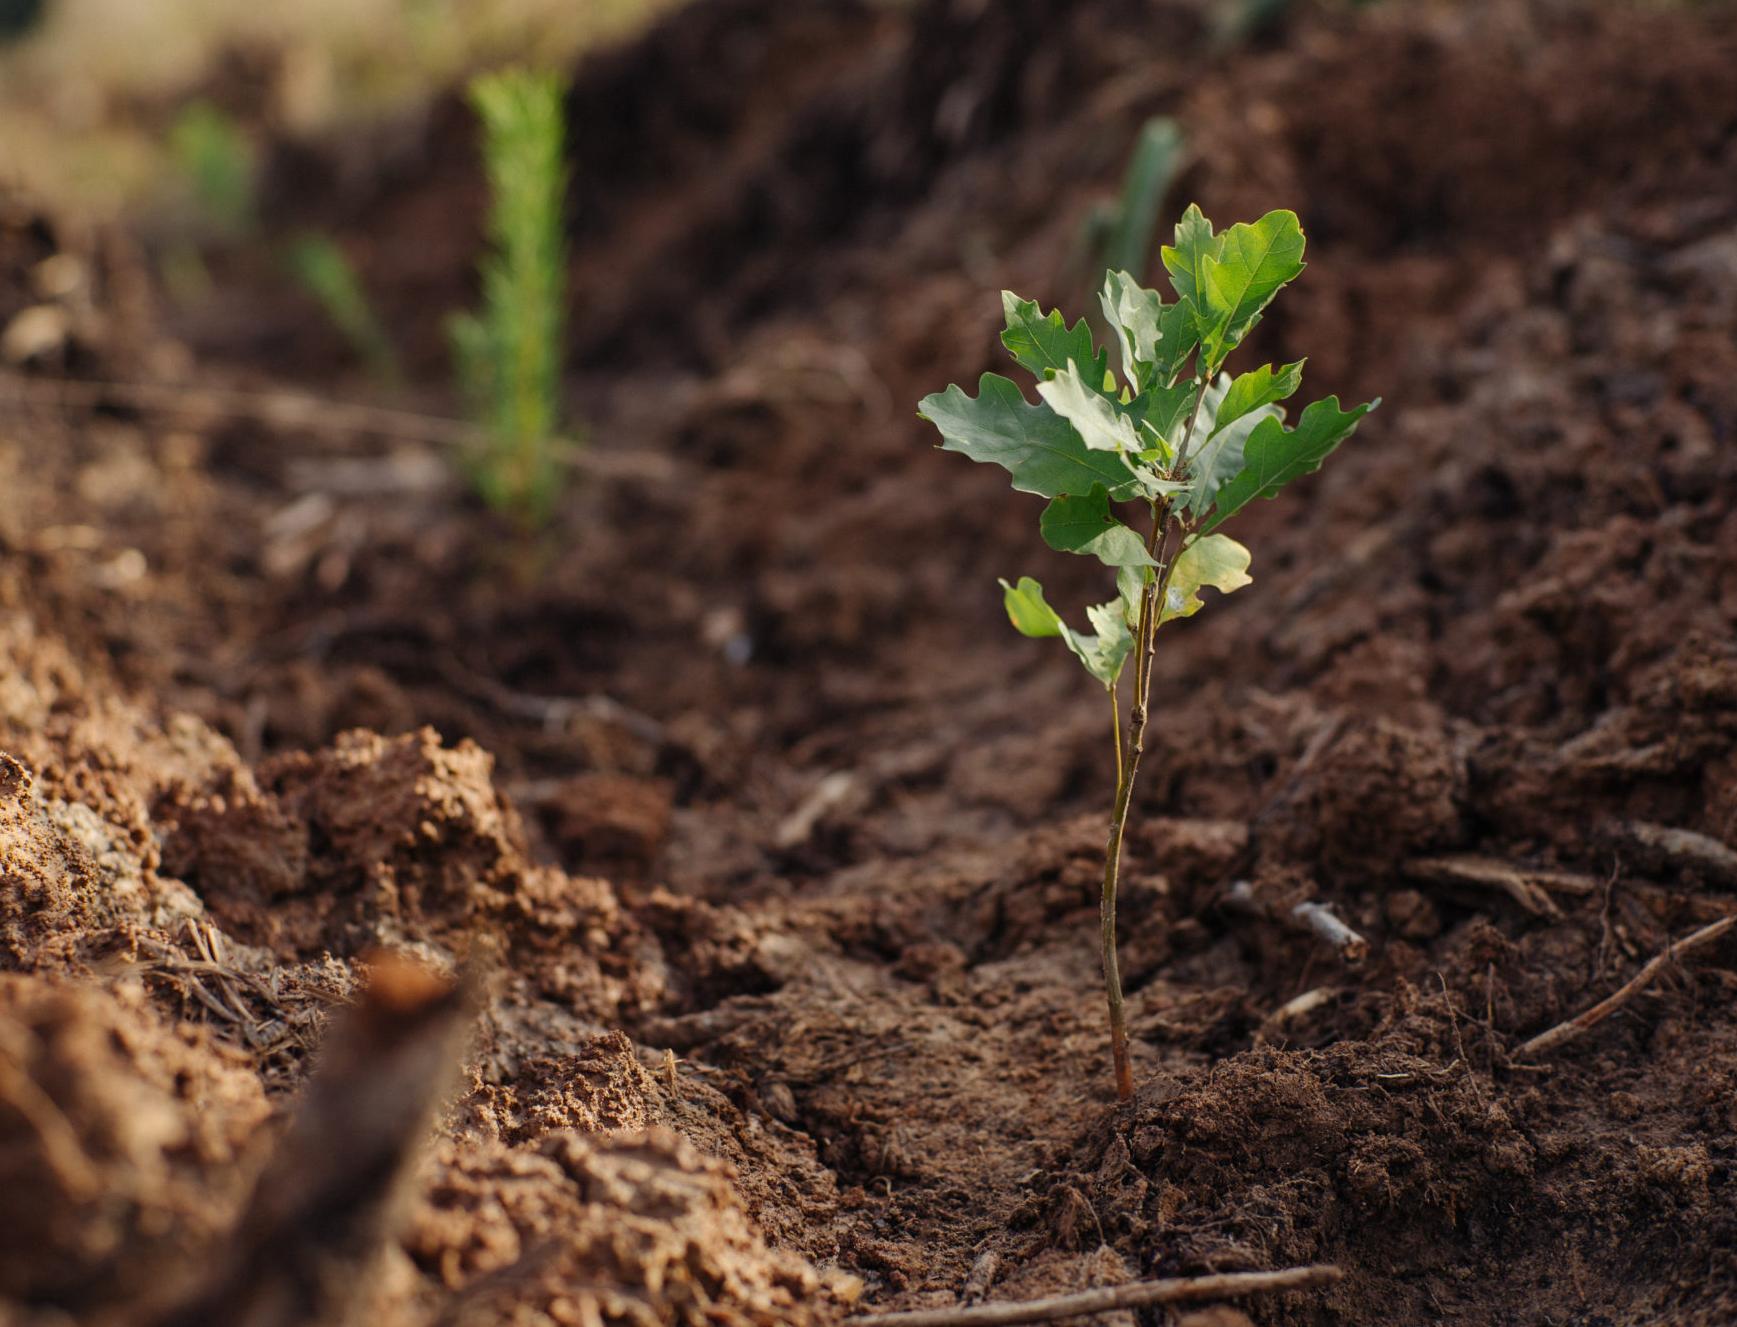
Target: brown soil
772, 849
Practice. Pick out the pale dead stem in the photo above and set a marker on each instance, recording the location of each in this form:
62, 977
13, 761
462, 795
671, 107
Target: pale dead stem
293, 410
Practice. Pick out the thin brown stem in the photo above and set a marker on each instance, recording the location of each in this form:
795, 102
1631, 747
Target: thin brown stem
1160, 512
1166, 530
1107, 918
1116, 729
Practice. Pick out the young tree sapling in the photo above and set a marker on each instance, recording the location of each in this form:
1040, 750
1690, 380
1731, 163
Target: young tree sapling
1141, 471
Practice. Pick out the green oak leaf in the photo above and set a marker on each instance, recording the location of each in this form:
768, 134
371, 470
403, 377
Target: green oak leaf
1216, 560
1162, 412
1103, 654
1253, 260
1103, 424
1045, 345
1274, 455
1035, 445
1186, 259
1251, 391
1156, 338
1177, 338
1221, 456
1028, 610
1134, 314
1084, 524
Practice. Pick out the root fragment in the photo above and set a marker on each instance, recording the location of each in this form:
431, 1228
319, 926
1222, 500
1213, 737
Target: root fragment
1683, 850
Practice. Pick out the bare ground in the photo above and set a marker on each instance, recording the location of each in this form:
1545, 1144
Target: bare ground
788, 996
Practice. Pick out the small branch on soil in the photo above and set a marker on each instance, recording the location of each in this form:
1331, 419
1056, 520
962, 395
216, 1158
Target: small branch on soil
1139, 1294
982, 1276
1563, 1032
1291, 1010
1530, 887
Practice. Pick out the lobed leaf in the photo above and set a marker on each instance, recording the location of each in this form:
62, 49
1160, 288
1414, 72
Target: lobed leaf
1221, 457
1039, 449
1274, 455
1156, 338
1103, 654
1214, 560
1253, 260
1226, 280
1162, 412
1086, 525
1186, 259
1103, 424
1251, 391
1045, 345
1133, 313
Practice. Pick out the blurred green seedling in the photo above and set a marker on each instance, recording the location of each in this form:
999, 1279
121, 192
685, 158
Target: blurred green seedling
508, 353
1142, 470
321, 268
1120, 234
217, 164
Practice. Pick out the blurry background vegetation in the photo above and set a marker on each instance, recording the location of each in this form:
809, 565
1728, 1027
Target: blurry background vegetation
94, 95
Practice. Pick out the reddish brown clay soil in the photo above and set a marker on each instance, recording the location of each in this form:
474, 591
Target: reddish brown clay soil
770, 851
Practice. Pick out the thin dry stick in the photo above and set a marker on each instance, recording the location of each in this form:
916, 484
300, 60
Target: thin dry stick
281, 409
1140, 1294
1562, 1032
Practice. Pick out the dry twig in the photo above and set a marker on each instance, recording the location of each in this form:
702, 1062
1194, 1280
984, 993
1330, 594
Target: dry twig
293, 410
1139, 1294
1562, 1032
1683, 850
1530, 887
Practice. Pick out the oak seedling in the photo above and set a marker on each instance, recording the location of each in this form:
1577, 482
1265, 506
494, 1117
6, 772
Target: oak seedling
1142, 470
